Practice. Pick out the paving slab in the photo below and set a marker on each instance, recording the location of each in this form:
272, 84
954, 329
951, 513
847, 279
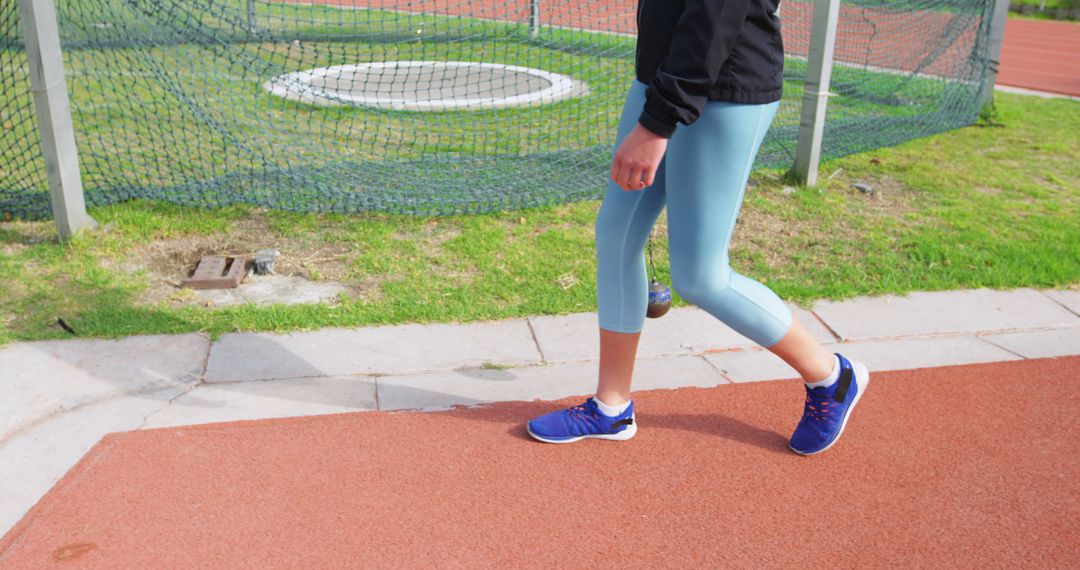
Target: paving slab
1070, 299
41, 379
878, 355
751, 365
905, 354
813, 324
210, 403
950, 312
470, 387
548, 382
1039, 344
403, 349
684, 330
671, 372
31, 462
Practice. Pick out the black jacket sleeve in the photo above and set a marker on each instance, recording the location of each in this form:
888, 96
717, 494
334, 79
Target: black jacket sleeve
703, 39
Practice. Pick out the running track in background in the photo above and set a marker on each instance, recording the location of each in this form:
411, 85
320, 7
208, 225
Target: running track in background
968, 466
930, 42
1041, 55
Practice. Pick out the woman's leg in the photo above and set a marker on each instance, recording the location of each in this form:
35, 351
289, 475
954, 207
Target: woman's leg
702, 181
708, 165
617, 355
805, 354
622, 229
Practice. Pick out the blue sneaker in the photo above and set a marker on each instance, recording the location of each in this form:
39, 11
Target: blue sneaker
584, 421
828, 409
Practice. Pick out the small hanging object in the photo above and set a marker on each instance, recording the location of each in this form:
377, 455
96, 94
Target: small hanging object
659, 300
659, 294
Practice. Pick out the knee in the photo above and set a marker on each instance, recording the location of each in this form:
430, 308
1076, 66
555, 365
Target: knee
699, 286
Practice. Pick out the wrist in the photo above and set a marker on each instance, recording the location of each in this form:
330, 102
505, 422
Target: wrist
655, 127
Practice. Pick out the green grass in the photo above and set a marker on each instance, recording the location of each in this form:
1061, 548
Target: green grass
975, 207
1050, 10
1048, 4
205, 133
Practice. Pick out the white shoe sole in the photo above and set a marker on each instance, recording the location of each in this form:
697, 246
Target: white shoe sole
623, 435
862, 380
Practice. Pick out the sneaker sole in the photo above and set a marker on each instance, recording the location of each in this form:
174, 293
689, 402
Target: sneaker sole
623, 435
860, 372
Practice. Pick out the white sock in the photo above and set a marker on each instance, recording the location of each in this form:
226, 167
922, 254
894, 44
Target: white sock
610, 411
828, 380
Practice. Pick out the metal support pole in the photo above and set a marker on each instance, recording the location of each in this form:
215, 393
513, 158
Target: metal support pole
54, 116
534, 18
816, 90
251, 15
997, 36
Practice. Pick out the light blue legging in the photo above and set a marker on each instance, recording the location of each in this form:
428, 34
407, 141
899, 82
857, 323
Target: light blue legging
701, 180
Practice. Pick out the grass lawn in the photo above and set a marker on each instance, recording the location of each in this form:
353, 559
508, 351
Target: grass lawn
168, 104
976, 207
1049, 9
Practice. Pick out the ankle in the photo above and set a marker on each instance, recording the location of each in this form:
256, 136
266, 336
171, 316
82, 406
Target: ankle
827, 378
609, 409
613, 399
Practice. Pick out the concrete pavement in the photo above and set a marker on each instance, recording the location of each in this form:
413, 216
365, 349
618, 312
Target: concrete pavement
58, 398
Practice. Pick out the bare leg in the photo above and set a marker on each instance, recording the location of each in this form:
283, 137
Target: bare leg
617, 352
803, 353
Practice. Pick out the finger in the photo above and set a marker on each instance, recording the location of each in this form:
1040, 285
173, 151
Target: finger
622, 175
649, 176
643, 177
616, 170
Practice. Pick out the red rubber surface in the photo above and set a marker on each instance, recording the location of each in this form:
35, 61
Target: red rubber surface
1036, 54
1041, 55
974, 466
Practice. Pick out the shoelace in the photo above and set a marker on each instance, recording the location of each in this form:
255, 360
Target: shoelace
817, 406
584, 414
583, 409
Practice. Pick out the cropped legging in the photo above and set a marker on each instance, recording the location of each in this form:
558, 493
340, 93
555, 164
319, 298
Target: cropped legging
701, 181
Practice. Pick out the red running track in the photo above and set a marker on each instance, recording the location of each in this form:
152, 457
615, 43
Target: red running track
972, 466
1041, 55
1036, 54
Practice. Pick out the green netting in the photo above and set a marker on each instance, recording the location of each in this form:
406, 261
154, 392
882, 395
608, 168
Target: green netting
170, 100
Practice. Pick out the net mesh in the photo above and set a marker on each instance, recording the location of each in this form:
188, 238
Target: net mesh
173, 100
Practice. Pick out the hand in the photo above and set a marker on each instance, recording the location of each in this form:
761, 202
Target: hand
637, 159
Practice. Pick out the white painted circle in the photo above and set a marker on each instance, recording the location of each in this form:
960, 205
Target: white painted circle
426, 85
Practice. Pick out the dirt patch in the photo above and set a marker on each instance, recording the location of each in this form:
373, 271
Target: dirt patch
17, 235
777, 239
429, 238
430, 235
169, 261
890, 198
